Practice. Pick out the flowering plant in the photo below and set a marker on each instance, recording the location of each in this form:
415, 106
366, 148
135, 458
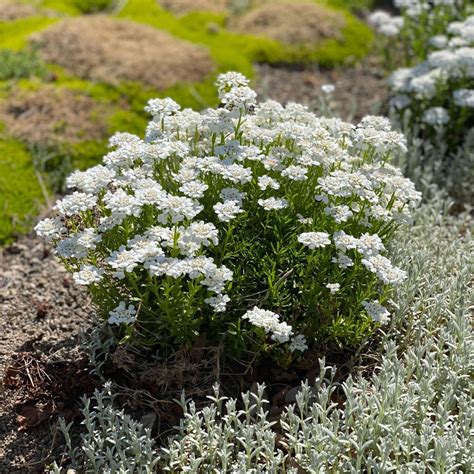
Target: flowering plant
411, 34
436, 96
257, 227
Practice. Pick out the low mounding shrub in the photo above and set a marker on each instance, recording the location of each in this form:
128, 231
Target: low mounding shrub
413, 415
256, 227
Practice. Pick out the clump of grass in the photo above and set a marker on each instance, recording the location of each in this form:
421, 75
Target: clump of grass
20, 64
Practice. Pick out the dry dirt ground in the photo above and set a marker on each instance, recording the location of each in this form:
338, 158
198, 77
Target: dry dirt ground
42, 312
360, 90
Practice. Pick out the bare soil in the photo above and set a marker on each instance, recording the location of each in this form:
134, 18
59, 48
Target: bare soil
360, 90
41, 369
114, 51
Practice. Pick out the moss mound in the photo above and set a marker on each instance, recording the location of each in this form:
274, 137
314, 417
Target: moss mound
51, 117
114, 51
292, 23
181, 7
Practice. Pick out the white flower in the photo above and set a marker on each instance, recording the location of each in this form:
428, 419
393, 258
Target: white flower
239, 98
296, 173
123, 261
194, 189
231, 80
203, 233
343, 261
314, 239
464, 97
298, 343
369, 244
122, 314
270, 323
436, 116
227, 211
339, 213
333, 287
50, 229
344, 241
272, 203
75, 203
265, 182
216, 280
92, 180
376, 311
384, 269
218, 302
87, 275
160, 108
88, 238
120, 202
328, 88
179, 208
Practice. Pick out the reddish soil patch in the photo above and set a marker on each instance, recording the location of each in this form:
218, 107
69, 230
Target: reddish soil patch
113, 51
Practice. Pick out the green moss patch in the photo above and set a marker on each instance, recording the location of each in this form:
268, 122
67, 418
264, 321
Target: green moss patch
14, 34
21, 192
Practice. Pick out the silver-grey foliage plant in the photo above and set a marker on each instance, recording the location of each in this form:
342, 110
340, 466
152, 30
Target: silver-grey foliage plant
414, 415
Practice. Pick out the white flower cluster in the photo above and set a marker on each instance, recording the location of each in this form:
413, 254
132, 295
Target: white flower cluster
270, 323
386, 24
415, 8
159, 211
447, 68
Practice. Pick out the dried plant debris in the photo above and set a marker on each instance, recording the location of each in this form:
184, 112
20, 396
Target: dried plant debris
181, 7
42, 387
11, 10
53, 116
292, 23
114, 51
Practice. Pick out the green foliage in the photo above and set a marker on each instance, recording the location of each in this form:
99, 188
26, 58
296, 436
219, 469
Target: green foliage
353, 5
94, 6
21, 192
14, 34
20, 64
